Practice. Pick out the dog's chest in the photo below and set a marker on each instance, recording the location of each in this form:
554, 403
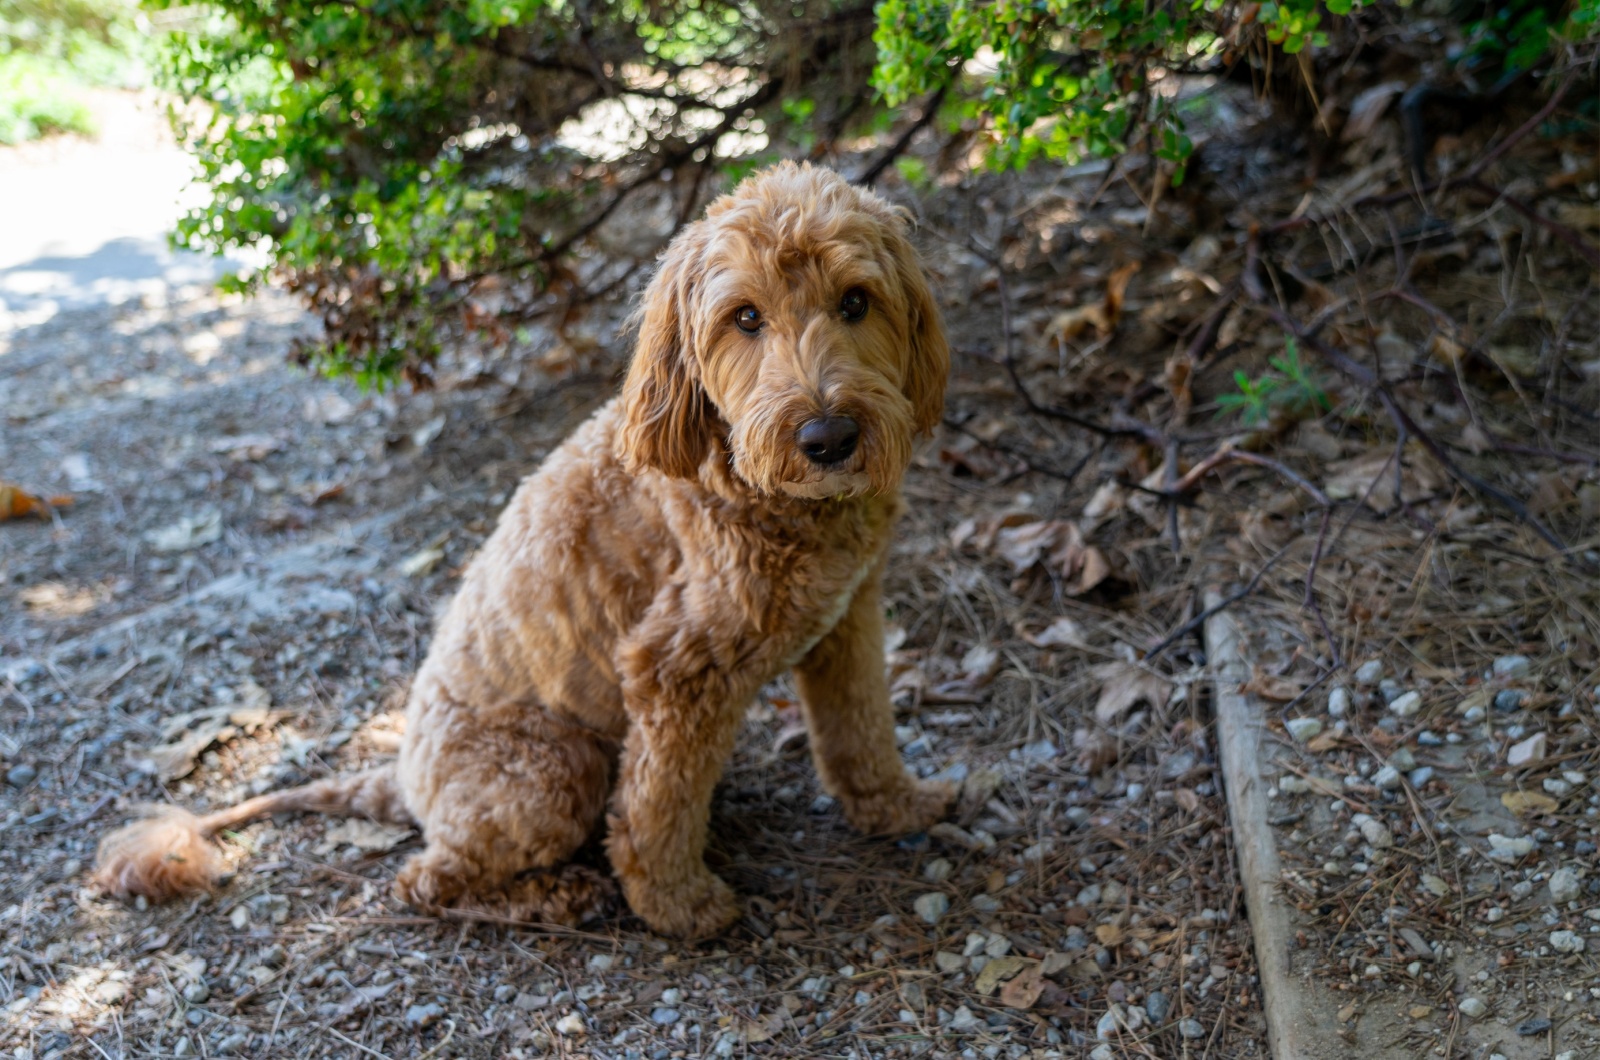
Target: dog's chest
828, 613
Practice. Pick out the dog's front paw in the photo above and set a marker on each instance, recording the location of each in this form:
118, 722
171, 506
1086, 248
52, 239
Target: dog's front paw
912, 808
695, 908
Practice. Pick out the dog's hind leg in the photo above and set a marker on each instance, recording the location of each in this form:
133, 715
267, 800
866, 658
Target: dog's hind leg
503, 807
845, 696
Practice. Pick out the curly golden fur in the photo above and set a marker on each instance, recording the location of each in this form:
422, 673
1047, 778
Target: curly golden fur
678, 552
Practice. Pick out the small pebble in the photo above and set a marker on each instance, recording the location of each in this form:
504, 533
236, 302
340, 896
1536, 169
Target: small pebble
932, 906
1303, 729
1508, 850
1375, 832
1407, 704
1156, 1006
1420, 776
1472, 1008
1512, 666
1339, 701
1566, 942
1389, 690
1556, 787
937, 870
1369, 673
601, 962
423, 1015
949, 963
1429, 738
1528, 1028
570, 1024
196, 993
1527, 752
1387, 778
1509, 700
1402, 759
665, 1017
1102, 1052
504, 992
1564, 885
20, 776
1191, 1029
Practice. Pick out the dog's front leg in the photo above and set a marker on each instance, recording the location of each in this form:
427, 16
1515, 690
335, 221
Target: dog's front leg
845, 695
682, 722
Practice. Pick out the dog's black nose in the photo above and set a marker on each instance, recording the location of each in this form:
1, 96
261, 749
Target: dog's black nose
828, 440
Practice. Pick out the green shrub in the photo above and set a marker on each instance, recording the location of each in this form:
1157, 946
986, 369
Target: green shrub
36, 99
51, 50
411, 165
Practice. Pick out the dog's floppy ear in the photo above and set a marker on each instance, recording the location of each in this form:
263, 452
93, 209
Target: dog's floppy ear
666, 416
929, 365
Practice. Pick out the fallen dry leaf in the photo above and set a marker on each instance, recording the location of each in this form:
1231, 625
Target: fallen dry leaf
1123, 685
1024, 991
1057, 545
15, 502
1096, 750
1103, 316
1371, 476
1529, 803
366, 836
55, 600
1267, 686
997, 970
1062, 632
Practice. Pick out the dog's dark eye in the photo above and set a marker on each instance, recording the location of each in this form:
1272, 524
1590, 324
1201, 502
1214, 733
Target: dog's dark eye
854, 304
748, 317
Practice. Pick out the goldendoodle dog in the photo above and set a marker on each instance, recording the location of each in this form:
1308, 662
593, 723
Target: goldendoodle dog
724, 520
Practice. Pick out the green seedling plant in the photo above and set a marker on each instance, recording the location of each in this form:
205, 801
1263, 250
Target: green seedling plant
1288, 385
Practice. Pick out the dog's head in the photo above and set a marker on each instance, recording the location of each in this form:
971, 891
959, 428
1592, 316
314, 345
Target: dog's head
794, 324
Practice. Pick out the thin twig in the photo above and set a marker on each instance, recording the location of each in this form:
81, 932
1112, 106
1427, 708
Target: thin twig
1403, 421
1222, 605
930, 110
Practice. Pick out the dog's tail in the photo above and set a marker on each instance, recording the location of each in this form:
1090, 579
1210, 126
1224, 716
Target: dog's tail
169, 851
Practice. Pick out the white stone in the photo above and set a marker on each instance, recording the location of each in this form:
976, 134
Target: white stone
1376, 833
1407, 704
1566, 942
1369, 673
1293, 785
1512, 666
1508, 850
1339, 701
1527, 752
1387, 778
1303, 729
932, 907
1564, 885
570, 1024
1472, 1007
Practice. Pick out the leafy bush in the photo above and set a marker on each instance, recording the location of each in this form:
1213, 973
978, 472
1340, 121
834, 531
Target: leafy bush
412, 164
50, 50
36, 99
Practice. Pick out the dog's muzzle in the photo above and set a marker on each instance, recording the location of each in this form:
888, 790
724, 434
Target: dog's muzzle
828, 440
